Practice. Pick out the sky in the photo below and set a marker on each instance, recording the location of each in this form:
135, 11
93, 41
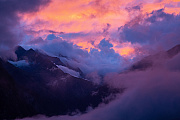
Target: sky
114, 33
102, 35
86, 22
109, 32
83, 22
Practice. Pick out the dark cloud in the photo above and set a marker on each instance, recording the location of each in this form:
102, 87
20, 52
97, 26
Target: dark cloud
155, 30
43, 31
10, 33
134, 8
53, 32
106, 30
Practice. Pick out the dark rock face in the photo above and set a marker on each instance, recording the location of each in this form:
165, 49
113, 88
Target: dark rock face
149, 61
11, 101
173, 51
42, 88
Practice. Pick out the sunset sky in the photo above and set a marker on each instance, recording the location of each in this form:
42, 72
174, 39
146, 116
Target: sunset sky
86, 22
92, 32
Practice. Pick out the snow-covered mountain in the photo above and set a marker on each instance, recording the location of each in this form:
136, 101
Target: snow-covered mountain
40, 84
37, 83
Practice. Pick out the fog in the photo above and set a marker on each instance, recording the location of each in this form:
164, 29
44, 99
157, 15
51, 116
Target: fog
152, 94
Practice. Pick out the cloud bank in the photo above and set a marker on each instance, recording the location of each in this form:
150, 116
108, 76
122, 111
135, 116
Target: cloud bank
157, 30
150, 95
145, 34
11, 33
102, 59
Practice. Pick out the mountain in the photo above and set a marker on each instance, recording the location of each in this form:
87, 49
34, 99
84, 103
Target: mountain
38, 57
156, 59
173, 51
34, 84
11, 102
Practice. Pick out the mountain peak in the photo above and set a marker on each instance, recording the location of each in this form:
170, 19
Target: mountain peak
20, 51
20, 48
148, 61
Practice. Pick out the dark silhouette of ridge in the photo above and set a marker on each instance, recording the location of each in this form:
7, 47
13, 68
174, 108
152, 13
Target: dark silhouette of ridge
148, 61
42, 88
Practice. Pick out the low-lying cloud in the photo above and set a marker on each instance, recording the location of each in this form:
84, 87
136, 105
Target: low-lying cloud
150, 95
102, 59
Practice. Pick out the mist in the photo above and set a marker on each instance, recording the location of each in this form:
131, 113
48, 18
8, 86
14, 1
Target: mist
152, 94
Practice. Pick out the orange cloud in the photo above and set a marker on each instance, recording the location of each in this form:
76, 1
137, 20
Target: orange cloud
125, 51
78, 16
89, 15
